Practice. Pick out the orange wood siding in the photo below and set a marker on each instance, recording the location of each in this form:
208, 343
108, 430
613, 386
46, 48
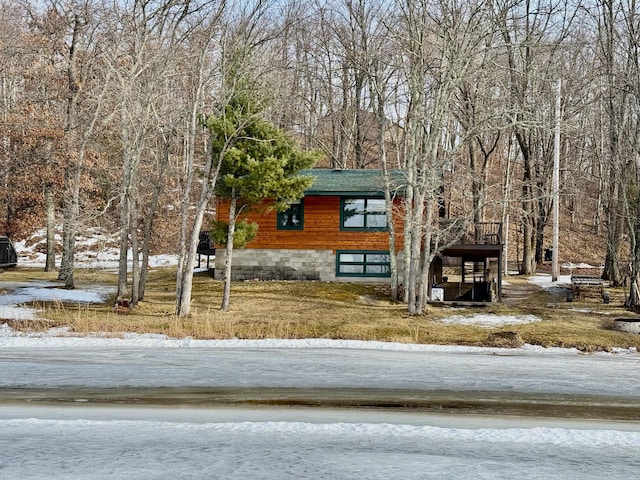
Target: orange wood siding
321, 229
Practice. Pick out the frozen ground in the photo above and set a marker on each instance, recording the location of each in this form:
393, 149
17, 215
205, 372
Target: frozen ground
77, 439
81, 440
41, 444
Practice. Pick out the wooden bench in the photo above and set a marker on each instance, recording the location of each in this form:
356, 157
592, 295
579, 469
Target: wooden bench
586, 281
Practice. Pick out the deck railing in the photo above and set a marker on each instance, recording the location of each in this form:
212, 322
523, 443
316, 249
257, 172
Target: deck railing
483, 233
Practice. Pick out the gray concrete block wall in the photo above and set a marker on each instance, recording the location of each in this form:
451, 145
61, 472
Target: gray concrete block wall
271, 264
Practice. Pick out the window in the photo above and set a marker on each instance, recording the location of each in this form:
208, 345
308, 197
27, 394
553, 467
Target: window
292, 218
362, 264
363, 214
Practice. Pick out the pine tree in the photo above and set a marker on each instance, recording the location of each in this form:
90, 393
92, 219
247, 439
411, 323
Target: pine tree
260, 167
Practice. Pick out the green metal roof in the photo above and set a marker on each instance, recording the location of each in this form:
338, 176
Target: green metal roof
350, 182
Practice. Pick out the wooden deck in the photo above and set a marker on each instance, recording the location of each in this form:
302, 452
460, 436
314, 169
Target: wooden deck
478, 248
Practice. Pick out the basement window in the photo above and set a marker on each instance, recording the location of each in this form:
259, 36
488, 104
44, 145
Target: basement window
360, 263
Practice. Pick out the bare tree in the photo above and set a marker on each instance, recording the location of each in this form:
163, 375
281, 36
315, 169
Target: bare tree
620, 49
613, 48
141, 54
482, 125
441, 42
77, 24
382, 67
532, 33
200, 78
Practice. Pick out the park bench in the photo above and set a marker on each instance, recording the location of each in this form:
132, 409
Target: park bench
579, 282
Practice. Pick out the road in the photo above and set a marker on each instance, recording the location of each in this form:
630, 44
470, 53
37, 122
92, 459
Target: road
111, 412
605, 385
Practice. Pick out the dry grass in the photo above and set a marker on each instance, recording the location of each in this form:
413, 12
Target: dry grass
331, 310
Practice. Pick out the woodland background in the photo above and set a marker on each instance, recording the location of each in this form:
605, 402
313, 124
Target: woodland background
101, 105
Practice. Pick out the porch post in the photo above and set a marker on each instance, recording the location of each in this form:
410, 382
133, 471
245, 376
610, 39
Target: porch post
500, 276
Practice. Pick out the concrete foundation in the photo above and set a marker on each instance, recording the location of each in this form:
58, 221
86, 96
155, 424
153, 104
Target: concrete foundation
271, 264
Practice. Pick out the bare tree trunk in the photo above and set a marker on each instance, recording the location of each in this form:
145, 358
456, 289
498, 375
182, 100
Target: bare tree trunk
343, 143
125, 227
389, 200
632, 302
189, 241
68, 237
149, 216
415, 252
50, 211
191, 226
135, 246
505, 216
186, 259
228, 260
409, 197
50, 264
428, 254
72, 174
185, 285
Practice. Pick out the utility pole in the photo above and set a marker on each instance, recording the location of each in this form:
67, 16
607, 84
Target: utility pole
555, 186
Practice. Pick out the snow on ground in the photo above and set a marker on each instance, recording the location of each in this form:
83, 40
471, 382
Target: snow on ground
84, 441
95, 249
98, 449
62, 338
544, 280
490, 320
18, 298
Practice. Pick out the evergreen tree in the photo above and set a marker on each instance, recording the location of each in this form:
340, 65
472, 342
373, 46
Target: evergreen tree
260, 167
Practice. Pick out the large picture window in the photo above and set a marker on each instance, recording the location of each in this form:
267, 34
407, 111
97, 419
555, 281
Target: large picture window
292, 218
363, 214
362, 264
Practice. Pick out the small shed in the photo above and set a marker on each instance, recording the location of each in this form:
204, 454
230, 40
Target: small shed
8, 254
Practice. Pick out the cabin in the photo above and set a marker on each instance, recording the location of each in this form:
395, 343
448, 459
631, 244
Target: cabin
8, 255
336, 232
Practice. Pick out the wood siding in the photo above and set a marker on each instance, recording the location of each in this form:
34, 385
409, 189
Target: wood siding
321, 229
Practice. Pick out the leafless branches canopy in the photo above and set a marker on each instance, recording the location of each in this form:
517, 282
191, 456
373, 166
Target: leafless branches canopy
100, 104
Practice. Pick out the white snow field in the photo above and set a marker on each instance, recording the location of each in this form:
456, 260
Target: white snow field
81, 440
215, 444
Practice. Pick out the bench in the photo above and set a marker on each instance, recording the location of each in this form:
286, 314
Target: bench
587, 281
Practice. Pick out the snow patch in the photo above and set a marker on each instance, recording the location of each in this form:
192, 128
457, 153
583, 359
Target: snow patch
491, 320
